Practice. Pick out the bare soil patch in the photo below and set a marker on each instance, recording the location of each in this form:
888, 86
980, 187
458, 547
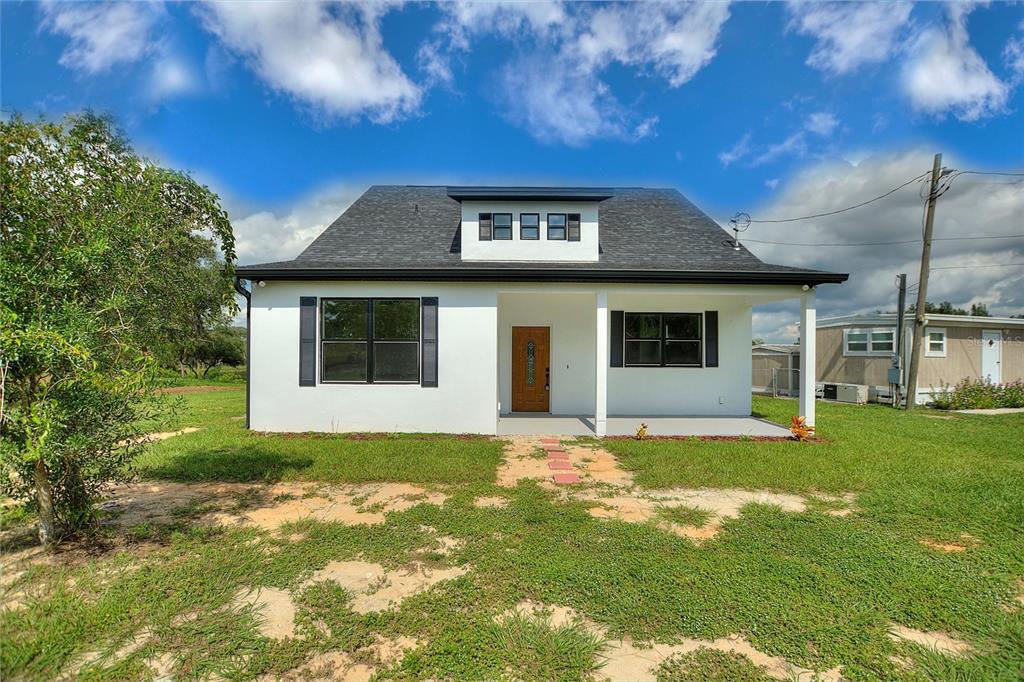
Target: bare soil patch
274, 608
643, 507
625, 661
334, 666
495, 502
965, 543
377, 589
940, 642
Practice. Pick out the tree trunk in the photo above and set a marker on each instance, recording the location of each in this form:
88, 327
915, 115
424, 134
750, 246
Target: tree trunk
44, 498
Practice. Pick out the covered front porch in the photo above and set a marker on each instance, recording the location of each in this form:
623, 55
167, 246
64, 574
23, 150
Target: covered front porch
558, 425
565, 365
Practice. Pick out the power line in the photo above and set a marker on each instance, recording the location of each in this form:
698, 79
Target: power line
992, 265
974, 172
905, 241
848, 208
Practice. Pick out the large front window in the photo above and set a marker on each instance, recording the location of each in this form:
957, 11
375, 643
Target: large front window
370, 340
662, 339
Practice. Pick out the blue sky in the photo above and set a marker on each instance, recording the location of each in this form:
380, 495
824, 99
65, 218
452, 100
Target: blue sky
289, 111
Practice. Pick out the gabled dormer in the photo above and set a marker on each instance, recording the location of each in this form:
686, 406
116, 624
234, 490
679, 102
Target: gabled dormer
530, 223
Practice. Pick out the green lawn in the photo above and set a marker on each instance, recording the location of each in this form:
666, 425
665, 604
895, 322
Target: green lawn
223, 450
817, 589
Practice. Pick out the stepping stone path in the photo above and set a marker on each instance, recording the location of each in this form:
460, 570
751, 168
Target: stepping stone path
558, 462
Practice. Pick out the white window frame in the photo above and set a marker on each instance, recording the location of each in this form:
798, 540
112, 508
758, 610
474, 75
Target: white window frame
871, 351
928, 352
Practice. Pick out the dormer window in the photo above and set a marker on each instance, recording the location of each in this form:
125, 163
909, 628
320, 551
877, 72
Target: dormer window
502, 225
556, 226
529, 226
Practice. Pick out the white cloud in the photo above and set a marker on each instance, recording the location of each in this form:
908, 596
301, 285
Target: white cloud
554, 87
1013, 56
328, 57
850, 34
771, 183
102, 35
794, 145
945, 74
821, 123
264, 235
736, 152
971, 208
171, 77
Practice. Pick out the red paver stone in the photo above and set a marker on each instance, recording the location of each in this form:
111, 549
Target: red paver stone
558, 454
563, 479
551, 446
559, 464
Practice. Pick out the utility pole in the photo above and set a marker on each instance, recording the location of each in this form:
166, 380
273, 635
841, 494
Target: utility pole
898, 365
922, 289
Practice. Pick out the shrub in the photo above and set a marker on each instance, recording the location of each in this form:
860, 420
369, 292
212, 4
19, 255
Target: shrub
980, 394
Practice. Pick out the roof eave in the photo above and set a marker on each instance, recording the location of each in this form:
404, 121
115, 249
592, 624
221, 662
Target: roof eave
542, 275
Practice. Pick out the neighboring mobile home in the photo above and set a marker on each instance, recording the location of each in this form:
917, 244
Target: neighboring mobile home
457, 309
776, 368
859, 349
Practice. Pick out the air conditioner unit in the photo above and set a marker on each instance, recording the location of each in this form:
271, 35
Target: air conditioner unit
846, 393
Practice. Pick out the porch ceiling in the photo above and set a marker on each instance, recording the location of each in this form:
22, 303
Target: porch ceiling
549, 425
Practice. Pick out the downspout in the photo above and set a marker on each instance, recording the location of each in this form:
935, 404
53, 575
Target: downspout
247, 295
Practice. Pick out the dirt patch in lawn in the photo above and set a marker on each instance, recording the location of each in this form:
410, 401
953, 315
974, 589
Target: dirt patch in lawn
377, 589
274, 610
351, 667
523, 460
494, 502
351, 505
643, 507
625, 661
966, 542
939, 642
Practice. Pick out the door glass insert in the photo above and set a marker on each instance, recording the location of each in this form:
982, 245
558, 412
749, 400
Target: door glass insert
531, 363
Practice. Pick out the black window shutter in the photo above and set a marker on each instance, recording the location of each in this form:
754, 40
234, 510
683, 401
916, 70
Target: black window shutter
307, 341
574, 227
618, 333
428, 342
711, 338
485, 227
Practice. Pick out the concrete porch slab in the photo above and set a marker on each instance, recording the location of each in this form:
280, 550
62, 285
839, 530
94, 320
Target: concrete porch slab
555, 425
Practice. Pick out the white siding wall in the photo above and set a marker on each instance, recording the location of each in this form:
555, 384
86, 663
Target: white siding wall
463, 402
474, 339
653, 391
585, 250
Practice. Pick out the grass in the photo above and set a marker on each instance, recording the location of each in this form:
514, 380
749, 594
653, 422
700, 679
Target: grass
817, 589
684, 516
223, 450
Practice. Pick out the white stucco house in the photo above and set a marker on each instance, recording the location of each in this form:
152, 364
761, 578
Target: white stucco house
461, 309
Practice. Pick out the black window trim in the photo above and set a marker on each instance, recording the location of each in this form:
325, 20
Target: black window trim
569, 217
370, 340
663, 338
481, 235
529, 239
565, 227
494, 227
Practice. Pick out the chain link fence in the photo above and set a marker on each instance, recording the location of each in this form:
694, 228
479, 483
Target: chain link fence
776, 381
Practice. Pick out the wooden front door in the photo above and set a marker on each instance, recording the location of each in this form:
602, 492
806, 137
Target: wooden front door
531, 369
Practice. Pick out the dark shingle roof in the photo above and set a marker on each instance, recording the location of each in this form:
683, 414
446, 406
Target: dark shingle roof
406, 231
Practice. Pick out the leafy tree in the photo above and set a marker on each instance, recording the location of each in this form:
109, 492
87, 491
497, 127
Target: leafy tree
756, 342
222, 345
104, 258
979, 310
944, 308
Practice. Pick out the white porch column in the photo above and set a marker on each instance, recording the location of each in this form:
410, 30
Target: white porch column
808, 334
601, 398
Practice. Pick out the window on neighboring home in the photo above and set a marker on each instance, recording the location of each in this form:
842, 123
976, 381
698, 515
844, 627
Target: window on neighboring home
502, 225
529, 226
370, 340
556, 226
485, 227
662, 339
869, 341
936, 342
574, 227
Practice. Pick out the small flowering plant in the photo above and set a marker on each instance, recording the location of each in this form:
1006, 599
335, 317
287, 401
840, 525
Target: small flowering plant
800, 429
